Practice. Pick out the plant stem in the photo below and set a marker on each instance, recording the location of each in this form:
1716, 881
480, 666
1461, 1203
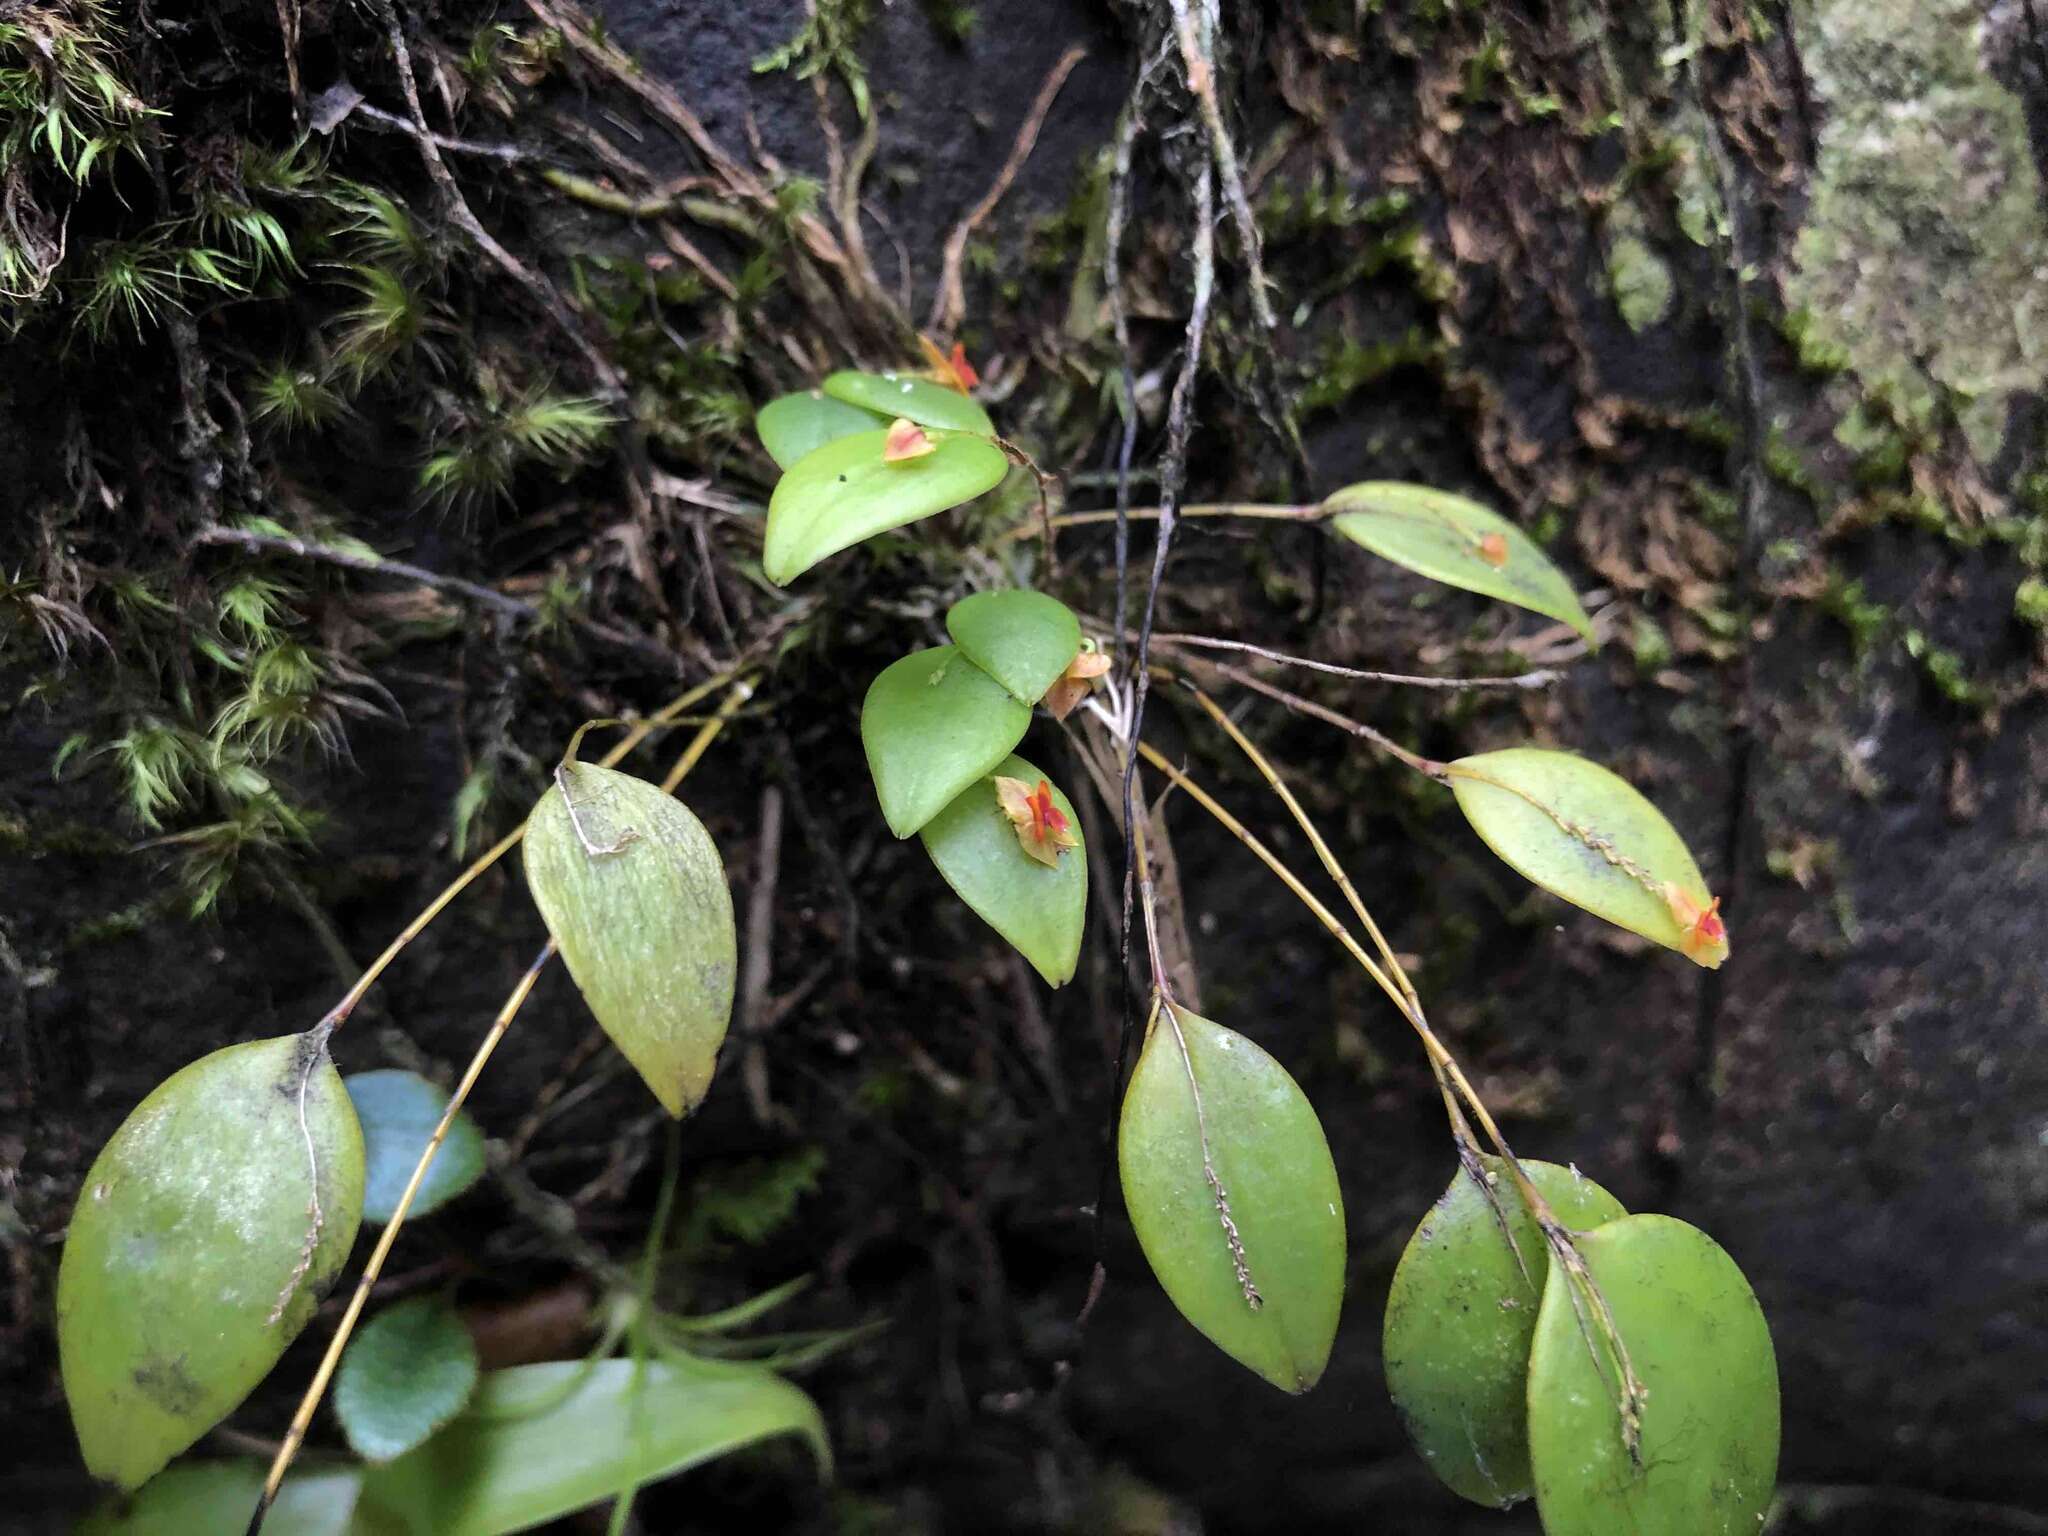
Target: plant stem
302, 1420
1303, 514
741, 690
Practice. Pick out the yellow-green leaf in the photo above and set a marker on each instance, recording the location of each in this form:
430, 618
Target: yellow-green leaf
1023, 639
845, 491
1587, 835
633, 890
914, 399
932, 724
1707, 1459
205, 1234
1234, 1198
1460, 1314
1040, 909
209, 1498
792, 426
1456, 541
542, 1441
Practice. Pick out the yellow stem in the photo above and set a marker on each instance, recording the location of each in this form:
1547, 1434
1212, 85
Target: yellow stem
504, 845
1305, 514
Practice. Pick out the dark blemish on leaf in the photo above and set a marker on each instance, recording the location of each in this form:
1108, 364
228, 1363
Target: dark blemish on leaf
170, 1386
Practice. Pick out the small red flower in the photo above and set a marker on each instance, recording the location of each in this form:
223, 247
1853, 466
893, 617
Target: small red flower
1042, 827
955, 372
1072, 686
1705, 934
906, 440
1493, 549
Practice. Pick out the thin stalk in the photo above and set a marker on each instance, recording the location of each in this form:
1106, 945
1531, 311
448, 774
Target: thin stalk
1302, 514
302, 1419
641, 729
1557, 1237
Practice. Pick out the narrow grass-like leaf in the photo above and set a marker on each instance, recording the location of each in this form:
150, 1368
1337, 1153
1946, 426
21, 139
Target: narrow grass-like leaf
1022, 639
633, 890
914, 399
1234, 1198
1040, 908
409, 1370
844, 492
932, 724
792, 425
1460, 1314
1456, 541
1587, 835
202, 1498
541, 1441
399, 1111
205, 1233
1708, 1456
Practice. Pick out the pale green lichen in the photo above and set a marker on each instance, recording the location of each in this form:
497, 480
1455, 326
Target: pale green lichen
1924, 256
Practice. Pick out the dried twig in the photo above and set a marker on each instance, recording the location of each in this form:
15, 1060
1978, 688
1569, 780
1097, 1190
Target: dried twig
949, 305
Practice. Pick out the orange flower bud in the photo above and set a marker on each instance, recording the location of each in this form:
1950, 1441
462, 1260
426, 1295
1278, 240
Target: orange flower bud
906, 440
1042, 827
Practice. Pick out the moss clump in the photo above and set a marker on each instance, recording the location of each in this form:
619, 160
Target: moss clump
1923, 257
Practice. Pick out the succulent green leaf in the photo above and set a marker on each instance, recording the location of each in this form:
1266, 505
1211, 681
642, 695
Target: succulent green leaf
1023, 639
205, 1234
199, 1498
1460, 1315
1458, 542
1040, 909
399, 1111
920, 400
1587, 835
932, 724
633, 890
408, 1371
1708, 1456
541, 1441
845, 492
1234, 1198
791, 426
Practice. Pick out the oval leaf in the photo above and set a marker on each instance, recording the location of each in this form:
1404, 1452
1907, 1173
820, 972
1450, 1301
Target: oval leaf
846, 491
914, 399
794, 425
541, 1441
399, 1111
1460, 1315
1040, 909
1234, 1198
1024, 640
632, 888
1585, 834
1458, 542
932, 724
197, 1498
1699, 1344
206, 1232
408, 1371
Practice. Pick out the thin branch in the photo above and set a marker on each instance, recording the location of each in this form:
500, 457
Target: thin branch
949, 305
1302, 514
348, 559
537, 287
1428, 767
1541, 678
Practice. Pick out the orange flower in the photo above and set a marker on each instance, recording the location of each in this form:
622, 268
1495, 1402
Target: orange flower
1493, 549
1042, 827
955, 372
906, 440
1706, 936
1066, 694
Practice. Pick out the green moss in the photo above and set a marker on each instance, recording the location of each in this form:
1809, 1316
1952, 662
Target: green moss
2030, 602
1946, 671
1923, 257
1350, 366
1845, 601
